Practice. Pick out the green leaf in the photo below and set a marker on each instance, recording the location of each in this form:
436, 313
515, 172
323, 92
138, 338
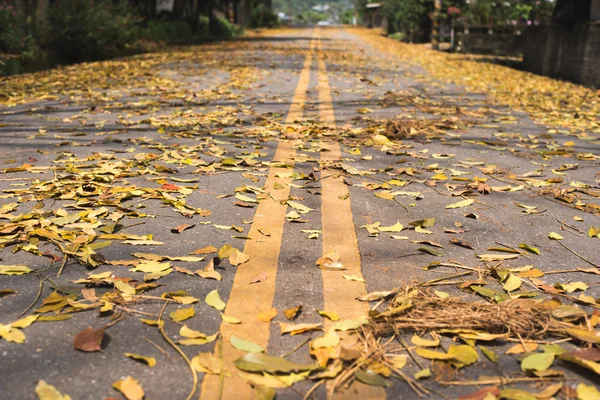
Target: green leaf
350, 324
245, 345
214, 300
489, 354
371, 378
529, 248
259, 362
537, 362
422, 374
431, 251
464, 354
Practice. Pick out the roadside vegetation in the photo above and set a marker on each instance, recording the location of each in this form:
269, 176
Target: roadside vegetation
35, 37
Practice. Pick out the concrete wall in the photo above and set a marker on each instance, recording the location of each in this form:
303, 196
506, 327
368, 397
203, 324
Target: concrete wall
480, 41
571, 53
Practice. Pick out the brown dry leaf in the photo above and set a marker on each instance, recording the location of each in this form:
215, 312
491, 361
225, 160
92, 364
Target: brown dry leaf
330, 262
89, 340
209, 271
519, 349
182, 227
238, 258
204, 250
207, 363
259, 278
130, 388
294, 329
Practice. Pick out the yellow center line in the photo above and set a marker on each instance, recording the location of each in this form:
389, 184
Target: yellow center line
339, 294
245, 300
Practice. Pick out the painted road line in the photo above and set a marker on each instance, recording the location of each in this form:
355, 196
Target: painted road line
337, 230
247, 301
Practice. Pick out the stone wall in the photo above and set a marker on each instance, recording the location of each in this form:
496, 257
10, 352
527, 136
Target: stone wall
571, 53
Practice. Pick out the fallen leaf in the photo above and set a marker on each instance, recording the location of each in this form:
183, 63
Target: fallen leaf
292, 313
245, 345
537, 362
519, 349
267, 315
214, 300
14, 270
329, 315
130, 388
259, 278
587, 392
461, 204
45, 391
150, 361
229, 319
182, 314
89, 340
295, 329
181, 228
205, 250
259, 362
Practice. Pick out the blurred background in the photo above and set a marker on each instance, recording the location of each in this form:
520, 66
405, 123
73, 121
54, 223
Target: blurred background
557, 38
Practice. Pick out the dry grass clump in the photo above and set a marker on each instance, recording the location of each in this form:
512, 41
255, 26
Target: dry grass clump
525, 319
406, 128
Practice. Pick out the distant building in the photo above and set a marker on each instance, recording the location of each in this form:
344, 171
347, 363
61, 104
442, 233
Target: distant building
374, 17
321, 8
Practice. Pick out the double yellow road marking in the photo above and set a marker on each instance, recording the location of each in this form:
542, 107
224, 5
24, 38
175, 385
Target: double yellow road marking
338, 233
246, 301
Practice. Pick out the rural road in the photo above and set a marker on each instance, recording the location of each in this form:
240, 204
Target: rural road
288, 145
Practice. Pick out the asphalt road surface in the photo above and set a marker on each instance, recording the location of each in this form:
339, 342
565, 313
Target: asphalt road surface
272, 144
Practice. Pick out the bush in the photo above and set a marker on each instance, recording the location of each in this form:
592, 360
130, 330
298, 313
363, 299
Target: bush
84, 30
170, 31
14, 35
400, 36
223, 28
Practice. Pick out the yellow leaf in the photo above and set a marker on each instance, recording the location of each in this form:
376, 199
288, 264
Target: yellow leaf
267, 315
418, 341
230, 320
45, 391
182, 314
14, 270
461, 204
294, 329
150, 361
130, 388
214, 300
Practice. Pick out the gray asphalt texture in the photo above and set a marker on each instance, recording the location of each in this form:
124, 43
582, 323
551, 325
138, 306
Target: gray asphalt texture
210, 74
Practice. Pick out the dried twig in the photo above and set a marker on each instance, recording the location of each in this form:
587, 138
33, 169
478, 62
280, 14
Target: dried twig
178, 350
